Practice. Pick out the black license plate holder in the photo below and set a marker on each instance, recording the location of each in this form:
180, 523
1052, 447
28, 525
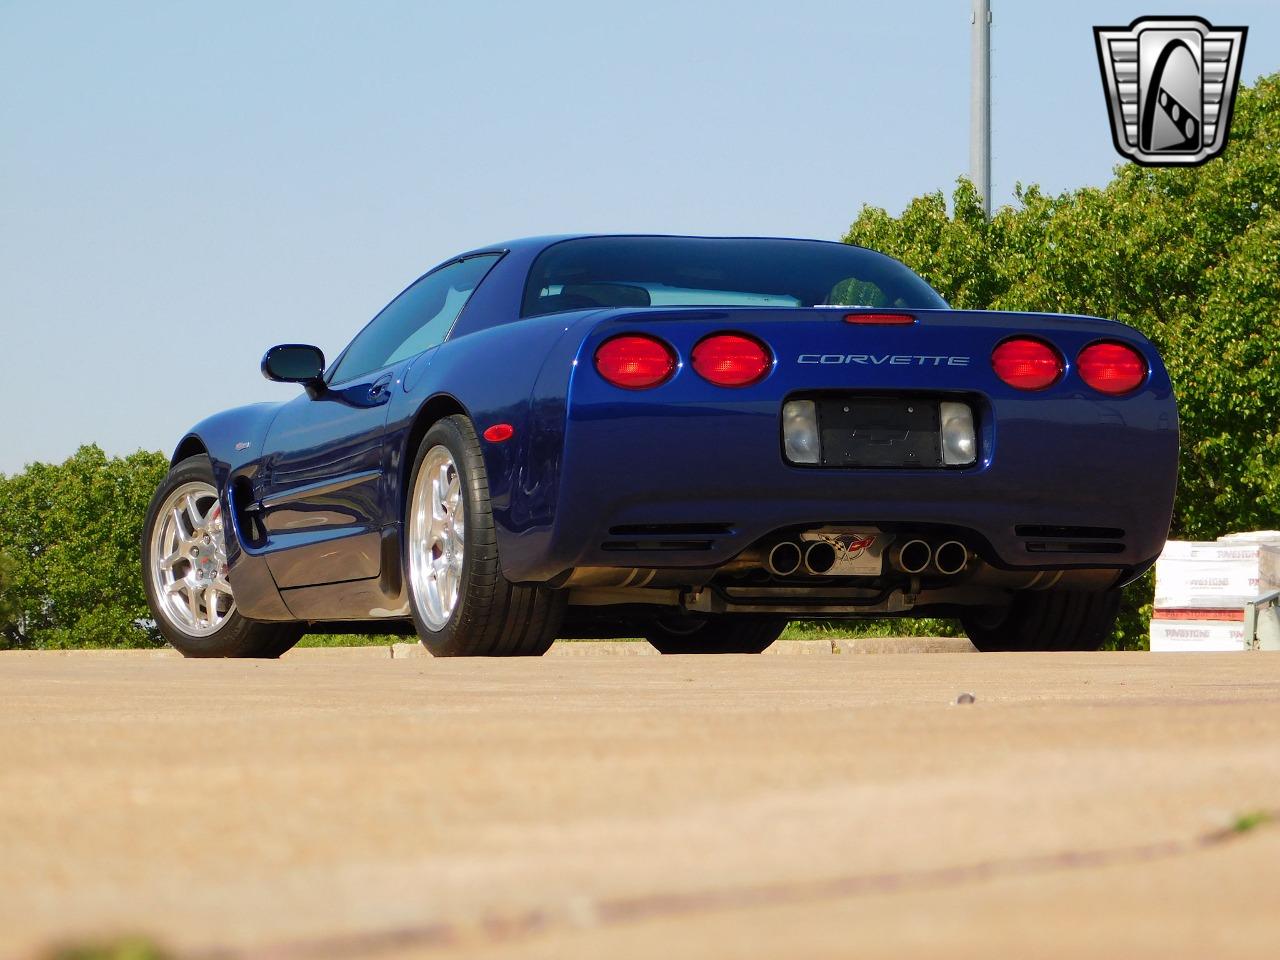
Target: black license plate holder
884, 432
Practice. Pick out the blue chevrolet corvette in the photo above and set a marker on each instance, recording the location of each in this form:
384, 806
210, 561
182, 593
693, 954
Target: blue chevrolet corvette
689, 439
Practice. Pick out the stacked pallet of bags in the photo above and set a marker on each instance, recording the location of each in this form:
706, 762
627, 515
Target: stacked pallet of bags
1203, 586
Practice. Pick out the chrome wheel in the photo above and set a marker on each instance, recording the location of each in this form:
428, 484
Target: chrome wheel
437, 542
189, 561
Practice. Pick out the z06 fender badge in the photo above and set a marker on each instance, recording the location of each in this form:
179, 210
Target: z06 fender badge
243, 445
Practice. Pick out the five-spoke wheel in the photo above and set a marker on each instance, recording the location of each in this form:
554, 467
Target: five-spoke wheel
189, 560
461, 603
184, 566
437, 537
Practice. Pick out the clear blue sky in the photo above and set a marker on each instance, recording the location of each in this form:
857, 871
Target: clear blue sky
184, 184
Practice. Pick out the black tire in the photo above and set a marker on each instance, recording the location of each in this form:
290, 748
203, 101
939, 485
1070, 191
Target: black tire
1053, 620
492, 617
238, 636
723, 633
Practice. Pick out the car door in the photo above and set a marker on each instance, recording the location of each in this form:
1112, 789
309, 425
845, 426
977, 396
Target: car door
325, 496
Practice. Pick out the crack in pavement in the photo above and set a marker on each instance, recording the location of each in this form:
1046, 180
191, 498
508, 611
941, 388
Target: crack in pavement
496, 928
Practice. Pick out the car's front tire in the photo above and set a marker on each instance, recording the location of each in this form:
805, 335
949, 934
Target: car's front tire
723, 633
461, 603
184, 560
1049, 620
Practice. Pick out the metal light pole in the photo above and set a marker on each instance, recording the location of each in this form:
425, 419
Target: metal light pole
980, 103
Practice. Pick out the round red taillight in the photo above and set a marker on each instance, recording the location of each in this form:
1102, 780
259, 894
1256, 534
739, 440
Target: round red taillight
1027, 364
635, 362
1112, 368
731, 359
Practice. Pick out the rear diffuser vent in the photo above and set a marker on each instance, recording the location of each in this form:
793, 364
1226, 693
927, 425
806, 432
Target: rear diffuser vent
1073, 546
670, 529
665, 546
662, 537
1062, 538
1051, 531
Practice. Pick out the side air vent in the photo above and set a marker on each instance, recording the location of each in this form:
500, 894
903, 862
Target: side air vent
244, 506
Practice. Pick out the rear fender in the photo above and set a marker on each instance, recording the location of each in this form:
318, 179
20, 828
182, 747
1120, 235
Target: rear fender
517, 374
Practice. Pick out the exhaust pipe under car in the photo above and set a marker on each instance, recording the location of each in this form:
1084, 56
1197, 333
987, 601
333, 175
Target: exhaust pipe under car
951, 557
820, 557
912, 556
784, 559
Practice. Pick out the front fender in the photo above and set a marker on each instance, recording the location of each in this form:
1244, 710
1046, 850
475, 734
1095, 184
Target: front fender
233, 440
232, 437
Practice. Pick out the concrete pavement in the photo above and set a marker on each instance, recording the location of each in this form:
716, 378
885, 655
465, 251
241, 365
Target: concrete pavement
364, 806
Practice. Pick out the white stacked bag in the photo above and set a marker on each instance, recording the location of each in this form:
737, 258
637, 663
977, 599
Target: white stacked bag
1203, 586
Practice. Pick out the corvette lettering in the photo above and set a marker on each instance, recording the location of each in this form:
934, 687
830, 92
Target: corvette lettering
890, 360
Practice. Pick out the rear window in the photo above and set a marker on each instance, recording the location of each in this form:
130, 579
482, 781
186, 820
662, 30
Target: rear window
594, 272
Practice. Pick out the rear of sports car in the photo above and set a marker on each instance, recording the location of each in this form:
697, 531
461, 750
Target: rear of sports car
1015, 470
1039, 442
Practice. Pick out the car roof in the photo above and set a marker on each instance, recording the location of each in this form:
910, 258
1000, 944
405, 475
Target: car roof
542, 242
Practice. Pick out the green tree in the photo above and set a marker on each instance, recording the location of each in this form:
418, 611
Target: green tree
71, 537
1191, 257
9, 609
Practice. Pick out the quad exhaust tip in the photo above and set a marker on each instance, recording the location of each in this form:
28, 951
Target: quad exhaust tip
820, 557
914, 556
784, 559
951, 557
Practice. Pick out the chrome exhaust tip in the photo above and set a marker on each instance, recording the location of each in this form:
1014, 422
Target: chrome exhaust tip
784, 559
951, 557
820, 557
913, 556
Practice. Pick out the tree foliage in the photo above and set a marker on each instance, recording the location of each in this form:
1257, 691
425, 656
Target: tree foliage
70, 545
1191, 257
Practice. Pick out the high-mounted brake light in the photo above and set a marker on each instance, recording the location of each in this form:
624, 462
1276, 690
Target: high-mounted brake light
1112, 368
1027, 364
731, 359
880, 319
635, 361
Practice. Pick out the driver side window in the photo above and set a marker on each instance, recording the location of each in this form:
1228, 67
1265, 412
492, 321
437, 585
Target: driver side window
418, 319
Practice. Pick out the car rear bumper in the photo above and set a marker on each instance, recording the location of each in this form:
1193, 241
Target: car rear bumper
693, 488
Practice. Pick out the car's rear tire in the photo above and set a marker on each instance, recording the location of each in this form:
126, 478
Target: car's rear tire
461, 603
1051, 620
723, 633
184, 573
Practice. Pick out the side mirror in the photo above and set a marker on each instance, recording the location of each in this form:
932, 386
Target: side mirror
294, 363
